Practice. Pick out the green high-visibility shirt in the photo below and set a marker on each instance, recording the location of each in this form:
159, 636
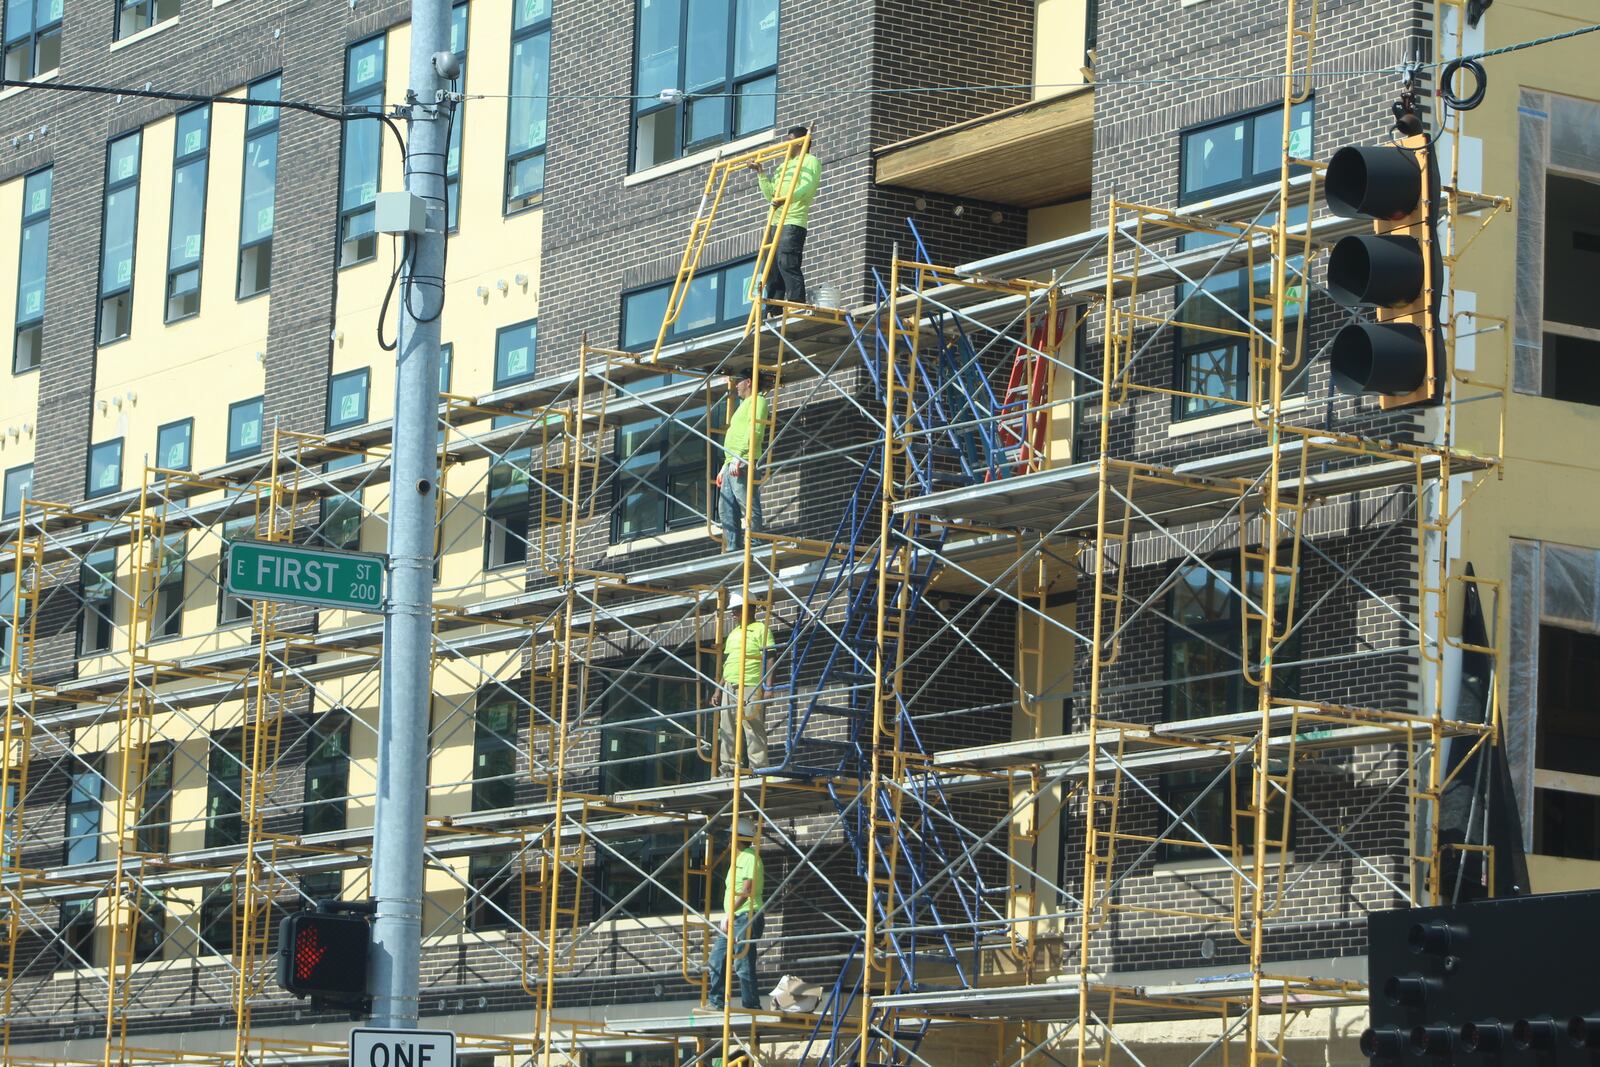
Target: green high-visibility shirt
743, 439
741, 654
747, 866
805, 189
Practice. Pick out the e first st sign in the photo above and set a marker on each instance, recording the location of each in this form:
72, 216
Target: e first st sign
268, 570
402, 1048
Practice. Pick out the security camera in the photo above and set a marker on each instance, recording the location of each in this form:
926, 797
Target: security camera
447, 65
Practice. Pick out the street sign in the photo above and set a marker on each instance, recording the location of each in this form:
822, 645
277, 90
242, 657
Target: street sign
402, 1048
267, 570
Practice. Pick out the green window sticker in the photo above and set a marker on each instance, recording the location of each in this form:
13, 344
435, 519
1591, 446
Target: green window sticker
517, 360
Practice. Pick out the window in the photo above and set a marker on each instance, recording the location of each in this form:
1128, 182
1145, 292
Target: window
105, 468
340, 524
259, 191
31, 272
8, 606
216, 921
653, 1055
662, 482
363, 153
150, 928
530, 91
1566, 762
1213, 817
505, 534
651, 725
615, 879
722, 55
1571, 343
190, 160
326, 885
244, 428
118, 227
452, 162
1226, 157
496, 881
136, 15
717, 299
231, 609
347, 399
515, 353
1204, 674
1241, 152
224, 787
174, 445
18, 487
494, 750
168, 621
327, 775
97, 580
153, 833
75, 942
33, 38
81, 841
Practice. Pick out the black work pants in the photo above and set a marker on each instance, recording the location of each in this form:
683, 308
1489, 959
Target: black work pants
786, 280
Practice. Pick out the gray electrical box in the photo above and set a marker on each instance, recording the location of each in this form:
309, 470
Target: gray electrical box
401, 212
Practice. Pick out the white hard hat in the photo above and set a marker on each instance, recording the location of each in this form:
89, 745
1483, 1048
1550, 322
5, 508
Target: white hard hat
746, 827
735, 601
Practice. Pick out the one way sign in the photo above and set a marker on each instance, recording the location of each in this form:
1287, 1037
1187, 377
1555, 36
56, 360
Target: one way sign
402, 1048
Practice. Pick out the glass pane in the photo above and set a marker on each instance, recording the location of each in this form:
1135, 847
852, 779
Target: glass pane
36, 193
361, 147
656, 64
194, 131
657, 138
528, 12
706, 46
527, 178
49, 11
736, 291
458, 29
1200, 597
347, 400
266, 89
708, 120
188, 215
31, 272
530, 84
756, 35
105, 468
1213, 157
122, 163
19, 483
260, 183
172, 446
244, 428
700, 304
19, 19
514, 353
116, 272
366, 67
757, 106
641, 316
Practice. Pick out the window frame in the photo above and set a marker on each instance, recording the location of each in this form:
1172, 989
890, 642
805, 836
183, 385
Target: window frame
154, 822
36, 33
363, 99
169, 592
253, 134
728, 88
76, 806
664, 478
224, 826
119, 33
1251, 179
336, 502
26, 321
75, 937
246, 609
318, 735
455, 142
247, 450
722, 322
495, 512
200, 160
532, 325
112, 186
493, 876
614, 879
364, 374
188, 444
90, 490
488, 741
648, 688
540, 26
210, 914
104, 621
7, 513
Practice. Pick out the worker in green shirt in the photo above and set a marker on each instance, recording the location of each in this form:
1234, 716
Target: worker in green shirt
741, 449
744, 661
787, 281
743, 897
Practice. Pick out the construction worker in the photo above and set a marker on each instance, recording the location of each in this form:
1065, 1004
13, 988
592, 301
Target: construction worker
787, 281
741, 449
742, 897
744, 654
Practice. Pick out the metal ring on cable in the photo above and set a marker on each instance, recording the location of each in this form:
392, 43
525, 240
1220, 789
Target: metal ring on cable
1480, 84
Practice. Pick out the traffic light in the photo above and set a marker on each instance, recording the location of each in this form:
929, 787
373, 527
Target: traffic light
324, 956
1396, 270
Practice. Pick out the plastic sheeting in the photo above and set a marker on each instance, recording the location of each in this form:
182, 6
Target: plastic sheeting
1555, 584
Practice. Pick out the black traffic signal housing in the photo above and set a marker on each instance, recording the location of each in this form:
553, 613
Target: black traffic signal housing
1506, 981
324, 956
1397, 271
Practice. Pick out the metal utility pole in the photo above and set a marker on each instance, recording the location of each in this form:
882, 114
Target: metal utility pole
408, 617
